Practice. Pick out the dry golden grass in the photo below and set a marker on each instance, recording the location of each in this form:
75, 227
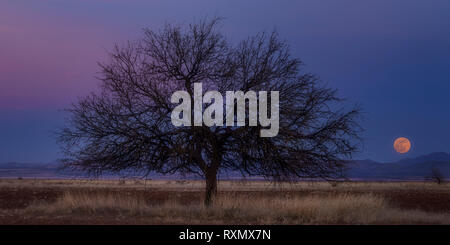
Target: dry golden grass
227, 185
92, 202
239, 202
235, 209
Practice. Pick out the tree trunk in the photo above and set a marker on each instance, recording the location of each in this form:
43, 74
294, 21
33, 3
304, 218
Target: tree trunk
211, 187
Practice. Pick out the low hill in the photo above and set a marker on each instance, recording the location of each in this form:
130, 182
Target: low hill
418, 168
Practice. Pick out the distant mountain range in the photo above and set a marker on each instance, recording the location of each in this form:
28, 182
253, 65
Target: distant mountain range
417, 168
30, 170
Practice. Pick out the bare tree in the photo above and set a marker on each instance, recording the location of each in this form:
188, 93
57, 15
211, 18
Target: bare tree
436, 175
128, 125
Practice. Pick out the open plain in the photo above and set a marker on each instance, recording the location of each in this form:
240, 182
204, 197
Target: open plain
137, 201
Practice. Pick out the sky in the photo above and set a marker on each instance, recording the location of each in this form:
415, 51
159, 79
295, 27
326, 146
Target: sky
392, 57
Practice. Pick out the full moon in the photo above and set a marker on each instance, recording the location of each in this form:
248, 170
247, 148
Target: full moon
402, 145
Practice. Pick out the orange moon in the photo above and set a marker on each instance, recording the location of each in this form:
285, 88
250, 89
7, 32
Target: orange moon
402, 145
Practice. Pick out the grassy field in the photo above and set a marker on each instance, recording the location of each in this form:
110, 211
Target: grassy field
29, 201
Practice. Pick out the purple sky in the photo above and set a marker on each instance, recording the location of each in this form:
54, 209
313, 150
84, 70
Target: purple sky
393, 57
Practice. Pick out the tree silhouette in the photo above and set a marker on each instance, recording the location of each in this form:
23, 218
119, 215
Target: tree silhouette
127, 126
436, 175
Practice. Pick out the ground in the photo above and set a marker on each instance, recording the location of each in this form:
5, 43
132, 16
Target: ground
34, 201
